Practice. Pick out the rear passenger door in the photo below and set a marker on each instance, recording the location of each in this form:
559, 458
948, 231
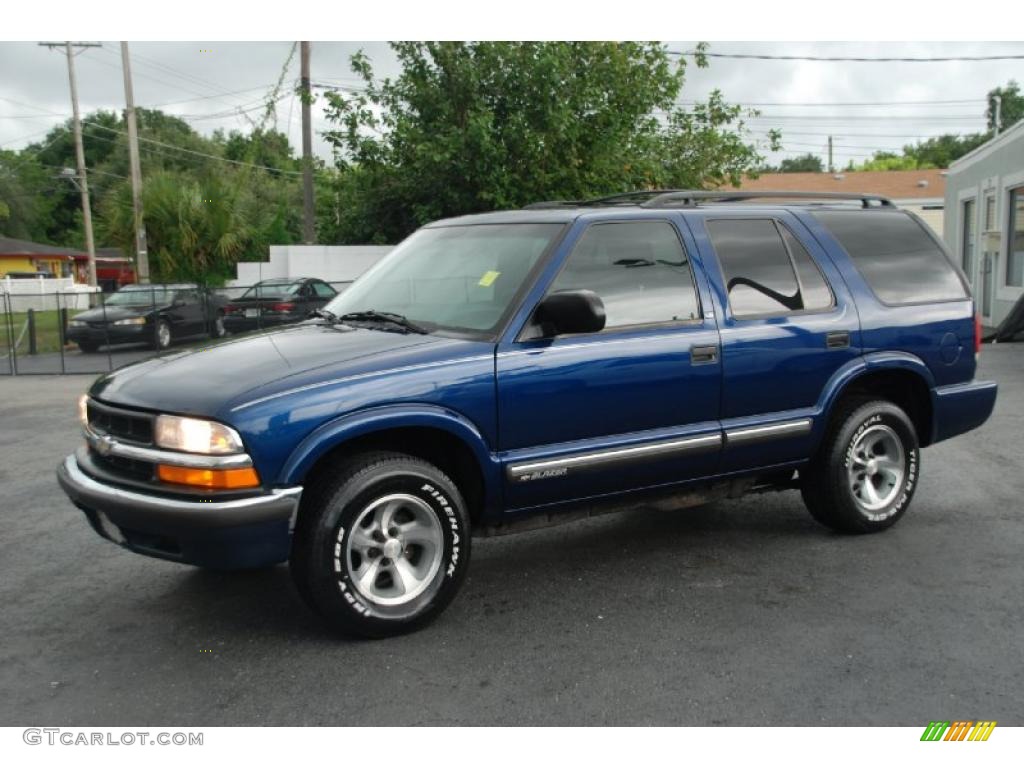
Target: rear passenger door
632, 406
788, 325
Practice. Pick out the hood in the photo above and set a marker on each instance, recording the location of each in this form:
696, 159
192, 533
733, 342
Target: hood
209, 380
110, 314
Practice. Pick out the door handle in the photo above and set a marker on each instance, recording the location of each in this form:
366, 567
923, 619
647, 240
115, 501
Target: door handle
837, 339
704, 355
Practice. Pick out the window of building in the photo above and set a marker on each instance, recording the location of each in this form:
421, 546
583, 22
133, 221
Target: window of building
760, 274
967, 243
990, 213
898, 258
1015, 247
639, 270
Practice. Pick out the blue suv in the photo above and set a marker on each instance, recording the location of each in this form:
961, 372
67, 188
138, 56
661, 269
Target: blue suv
505, 370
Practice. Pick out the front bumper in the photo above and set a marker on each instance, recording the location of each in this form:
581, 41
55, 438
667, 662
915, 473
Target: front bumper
111, 334
238, 533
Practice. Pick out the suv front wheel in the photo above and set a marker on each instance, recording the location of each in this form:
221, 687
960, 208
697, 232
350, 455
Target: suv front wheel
382, 544
865, 473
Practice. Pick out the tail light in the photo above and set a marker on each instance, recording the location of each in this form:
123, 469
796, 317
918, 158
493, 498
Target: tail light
231, 309
285, 307
977, 334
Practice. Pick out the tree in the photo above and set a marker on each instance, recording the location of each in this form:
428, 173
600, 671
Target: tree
480, 126
809, 163
195, 231
26, 196
1011, 109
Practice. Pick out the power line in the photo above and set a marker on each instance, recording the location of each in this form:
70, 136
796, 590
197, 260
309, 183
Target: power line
857, 59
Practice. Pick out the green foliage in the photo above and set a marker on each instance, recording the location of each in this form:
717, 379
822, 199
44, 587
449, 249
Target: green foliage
471, 127
809, 163
890, 161
26, 197
196, 231
1011, 110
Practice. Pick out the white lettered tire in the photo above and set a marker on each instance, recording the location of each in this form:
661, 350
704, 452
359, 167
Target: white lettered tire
865, 474
381, 544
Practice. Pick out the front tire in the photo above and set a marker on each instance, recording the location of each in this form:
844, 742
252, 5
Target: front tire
88, 346
161, 335
382, 544
866, 471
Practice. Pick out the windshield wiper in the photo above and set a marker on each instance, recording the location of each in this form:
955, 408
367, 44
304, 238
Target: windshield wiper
386, 317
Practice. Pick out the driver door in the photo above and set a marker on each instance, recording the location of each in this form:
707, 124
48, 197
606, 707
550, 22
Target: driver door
632, 406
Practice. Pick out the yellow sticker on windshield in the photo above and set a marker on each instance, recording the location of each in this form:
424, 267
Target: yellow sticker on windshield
488, 279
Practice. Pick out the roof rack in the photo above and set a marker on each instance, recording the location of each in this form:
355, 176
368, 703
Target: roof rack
690, 198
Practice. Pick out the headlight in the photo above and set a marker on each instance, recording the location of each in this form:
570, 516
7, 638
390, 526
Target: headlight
83, 410
131, 321
78, 323
196, 435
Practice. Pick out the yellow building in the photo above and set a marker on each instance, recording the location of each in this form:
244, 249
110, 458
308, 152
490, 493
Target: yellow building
23, 256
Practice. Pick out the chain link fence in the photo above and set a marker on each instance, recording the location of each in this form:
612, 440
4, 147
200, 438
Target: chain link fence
73, 332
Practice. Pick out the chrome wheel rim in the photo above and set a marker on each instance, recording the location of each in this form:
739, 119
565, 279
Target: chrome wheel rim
394, 549
163, 335
877, 467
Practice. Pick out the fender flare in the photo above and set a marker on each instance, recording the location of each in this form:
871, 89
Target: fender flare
355, 424
871, 362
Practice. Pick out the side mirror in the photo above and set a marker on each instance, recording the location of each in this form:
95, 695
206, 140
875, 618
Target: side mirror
569, 312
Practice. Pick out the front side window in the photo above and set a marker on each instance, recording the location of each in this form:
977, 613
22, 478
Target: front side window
897, 257
639, 270
1015, 255
967, 245
457, 278
760, 274
139, 296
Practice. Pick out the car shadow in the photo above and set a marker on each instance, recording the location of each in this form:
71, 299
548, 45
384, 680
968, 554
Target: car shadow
265, 602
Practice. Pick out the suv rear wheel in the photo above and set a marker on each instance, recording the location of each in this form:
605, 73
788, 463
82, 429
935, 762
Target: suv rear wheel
382, 544
865, 474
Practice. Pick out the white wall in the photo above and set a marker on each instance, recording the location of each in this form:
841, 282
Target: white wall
333, 263
39, 293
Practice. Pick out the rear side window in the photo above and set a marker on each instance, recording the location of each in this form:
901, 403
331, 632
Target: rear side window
639, 269
760, 275
901, 262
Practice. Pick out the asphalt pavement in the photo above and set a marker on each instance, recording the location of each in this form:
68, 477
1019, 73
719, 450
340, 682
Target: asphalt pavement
743, 612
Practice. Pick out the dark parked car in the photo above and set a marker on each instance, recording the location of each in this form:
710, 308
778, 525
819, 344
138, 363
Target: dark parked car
276, 302
504, 370
156, 315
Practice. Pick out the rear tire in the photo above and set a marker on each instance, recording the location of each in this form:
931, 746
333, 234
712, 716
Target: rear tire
382, 544
866, 471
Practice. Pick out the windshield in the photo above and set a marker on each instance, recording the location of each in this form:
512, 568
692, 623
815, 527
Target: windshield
272, 291
140, 297
457, 278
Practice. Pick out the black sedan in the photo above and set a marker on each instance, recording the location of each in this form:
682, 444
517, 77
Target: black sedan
276, 302
149, 314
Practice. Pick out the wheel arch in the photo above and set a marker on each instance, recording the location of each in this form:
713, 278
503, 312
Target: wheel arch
438, 435
900, 377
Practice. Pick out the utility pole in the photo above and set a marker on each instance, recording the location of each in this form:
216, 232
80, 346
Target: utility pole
83, 183
999, 111
141, 256
831, 168
308, 230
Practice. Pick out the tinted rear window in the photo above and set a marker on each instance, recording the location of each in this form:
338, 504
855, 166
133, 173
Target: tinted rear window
899, 260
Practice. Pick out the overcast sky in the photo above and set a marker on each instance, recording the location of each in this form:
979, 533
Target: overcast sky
207, 83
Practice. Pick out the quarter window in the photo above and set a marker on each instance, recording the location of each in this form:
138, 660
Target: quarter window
901, 262
760, 274
638, 269
1015, 257
324, 291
